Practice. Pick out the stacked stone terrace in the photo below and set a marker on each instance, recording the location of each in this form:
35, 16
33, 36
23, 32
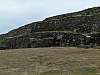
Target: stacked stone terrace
79, 29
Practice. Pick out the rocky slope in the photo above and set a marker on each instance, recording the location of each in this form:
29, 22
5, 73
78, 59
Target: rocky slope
80, 29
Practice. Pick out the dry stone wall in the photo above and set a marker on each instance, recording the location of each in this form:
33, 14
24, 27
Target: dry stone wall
79, 29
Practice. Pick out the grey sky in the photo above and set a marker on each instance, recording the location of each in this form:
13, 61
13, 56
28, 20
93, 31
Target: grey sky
15, 13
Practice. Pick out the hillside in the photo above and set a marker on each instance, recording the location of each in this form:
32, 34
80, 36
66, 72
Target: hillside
50, 61
78, 29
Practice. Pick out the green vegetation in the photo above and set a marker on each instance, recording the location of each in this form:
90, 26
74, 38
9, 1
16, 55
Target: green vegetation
89, 71
52, 72
3, 40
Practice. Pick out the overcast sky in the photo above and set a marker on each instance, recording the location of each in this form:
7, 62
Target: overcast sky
15, 13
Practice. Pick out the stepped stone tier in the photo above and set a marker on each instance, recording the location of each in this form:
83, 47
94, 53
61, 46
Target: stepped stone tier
78, 29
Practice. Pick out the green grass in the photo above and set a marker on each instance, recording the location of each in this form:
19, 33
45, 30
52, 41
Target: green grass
89, 71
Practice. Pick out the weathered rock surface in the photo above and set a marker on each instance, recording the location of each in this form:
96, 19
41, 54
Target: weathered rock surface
79, 29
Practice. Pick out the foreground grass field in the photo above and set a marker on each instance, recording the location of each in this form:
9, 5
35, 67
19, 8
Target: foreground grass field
50, 61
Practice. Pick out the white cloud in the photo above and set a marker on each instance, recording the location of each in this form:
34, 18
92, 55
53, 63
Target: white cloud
14, 13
